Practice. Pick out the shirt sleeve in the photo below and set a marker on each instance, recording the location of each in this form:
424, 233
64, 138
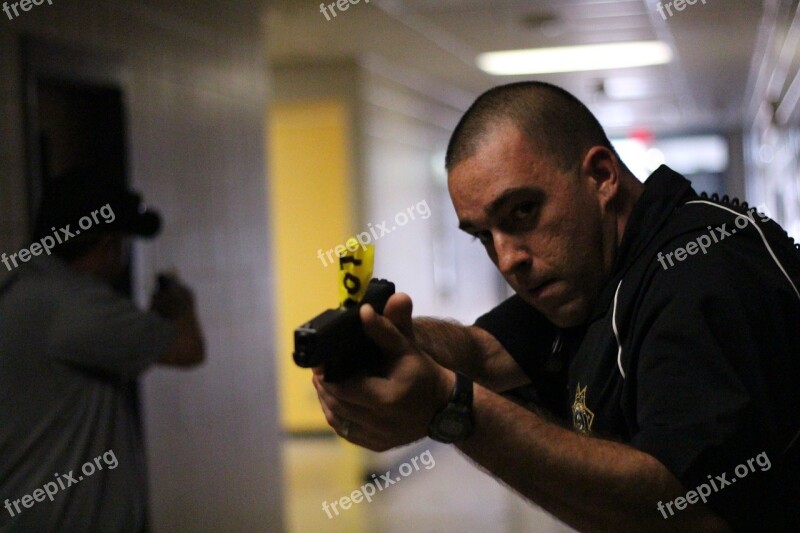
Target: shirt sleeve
95, 328
528, 337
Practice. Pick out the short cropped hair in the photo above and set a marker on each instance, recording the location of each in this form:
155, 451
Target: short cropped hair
554, 121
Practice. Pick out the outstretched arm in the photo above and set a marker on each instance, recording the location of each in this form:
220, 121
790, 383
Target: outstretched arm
589, 483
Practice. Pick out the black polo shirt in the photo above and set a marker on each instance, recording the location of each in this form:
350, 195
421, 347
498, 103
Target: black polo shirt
691, 353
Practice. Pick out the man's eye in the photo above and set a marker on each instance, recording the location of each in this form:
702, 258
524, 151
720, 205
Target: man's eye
523, 211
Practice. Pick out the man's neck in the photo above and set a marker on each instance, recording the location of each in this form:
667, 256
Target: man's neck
91, 266
632, 190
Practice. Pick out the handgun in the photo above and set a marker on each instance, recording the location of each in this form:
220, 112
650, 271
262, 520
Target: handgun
335, 338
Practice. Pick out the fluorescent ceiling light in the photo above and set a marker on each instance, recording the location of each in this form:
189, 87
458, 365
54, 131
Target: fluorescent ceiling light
575, 58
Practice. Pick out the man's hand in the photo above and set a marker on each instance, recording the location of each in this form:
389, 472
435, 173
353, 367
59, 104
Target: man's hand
172, 300
175, 302
382, 413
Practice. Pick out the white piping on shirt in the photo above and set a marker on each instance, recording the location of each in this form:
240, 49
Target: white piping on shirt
777, 262
763, 238
616, 331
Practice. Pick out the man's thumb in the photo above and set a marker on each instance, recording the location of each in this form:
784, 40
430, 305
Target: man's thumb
398, 310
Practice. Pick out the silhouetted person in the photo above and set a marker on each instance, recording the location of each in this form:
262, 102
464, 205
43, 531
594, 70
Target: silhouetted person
71, 349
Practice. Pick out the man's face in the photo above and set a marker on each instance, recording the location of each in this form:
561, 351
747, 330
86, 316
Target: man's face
546, 230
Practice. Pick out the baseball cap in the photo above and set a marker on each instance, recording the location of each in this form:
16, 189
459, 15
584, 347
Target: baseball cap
80, 192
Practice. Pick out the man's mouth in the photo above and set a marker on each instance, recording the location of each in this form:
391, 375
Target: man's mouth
541, 289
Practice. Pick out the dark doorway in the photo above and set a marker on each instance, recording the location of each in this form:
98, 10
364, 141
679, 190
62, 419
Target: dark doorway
80, 126
75, 120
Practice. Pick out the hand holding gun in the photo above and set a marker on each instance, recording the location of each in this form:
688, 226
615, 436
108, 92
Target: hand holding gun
335, 339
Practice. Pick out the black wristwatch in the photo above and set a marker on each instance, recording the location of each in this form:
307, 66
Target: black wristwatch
454, 422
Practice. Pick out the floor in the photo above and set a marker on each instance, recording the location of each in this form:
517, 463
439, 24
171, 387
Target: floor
439, 491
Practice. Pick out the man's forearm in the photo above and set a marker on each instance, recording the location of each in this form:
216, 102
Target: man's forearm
469, 350
589, 483
450, 344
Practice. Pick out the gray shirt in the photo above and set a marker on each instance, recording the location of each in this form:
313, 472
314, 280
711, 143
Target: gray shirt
70, 351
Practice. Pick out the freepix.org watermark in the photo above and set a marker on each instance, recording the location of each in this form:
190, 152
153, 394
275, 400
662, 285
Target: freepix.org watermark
343, 5
702, 492
46, 244
715, 235
375, 232
63, 482
367, 491
24, 5
665, 8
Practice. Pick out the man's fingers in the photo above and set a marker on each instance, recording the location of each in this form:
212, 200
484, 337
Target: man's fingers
381, 330
359, 392
344, 401
351, 422
398, 310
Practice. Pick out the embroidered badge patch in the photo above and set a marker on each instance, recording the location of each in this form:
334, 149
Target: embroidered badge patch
582, 417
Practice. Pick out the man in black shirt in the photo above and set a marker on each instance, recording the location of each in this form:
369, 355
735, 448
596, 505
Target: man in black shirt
657, 329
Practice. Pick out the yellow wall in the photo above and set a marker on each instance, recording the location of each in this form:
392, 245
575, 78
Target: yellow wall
309, 193
309, 189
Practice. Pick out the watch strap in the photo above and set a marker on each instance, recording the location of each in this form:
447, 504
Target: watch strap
456, 414
462, 392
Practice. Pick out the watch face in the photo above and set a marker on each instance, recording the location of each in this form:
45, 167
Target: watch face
450, 425
454, 422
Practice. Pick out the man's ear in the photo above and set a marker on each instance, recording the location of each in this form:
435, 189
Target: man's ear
601, 165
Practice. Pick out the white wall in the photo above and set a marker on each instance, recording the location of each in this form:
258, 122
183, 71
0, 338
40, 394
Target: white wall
406, 130
772, 136
196, 96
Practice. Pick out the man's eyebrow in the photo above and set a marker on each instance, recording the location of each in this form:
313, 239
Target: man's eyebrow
534, 193
508, 195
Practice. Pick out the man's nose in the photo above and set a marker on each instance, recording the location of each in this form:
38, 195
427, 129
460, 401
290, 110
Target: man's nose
512, 254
